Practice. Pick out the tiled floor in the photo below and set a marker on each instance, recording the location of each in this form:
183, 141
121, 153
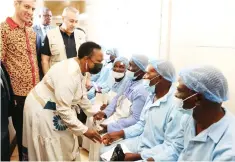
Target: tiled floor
83, 154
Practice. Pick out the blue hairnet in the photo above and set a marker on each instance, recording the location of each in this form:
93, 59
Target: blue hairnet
140, 60
123, 60
112, 52
208, 81
165, 69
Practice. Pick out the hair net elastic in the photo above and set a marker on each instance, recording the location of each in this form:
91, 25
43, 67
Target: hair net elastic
165, 69
123, 60
208, 81
112, 52
140, 60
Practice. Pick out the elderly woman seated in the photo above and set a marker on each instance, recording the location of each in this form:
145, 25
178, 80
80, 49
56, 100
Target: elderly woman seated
119, 78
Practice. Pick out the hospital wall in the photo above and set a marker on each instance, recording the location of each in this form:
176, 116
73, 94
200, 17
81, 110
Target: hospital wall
125, 24
202, 32
187, 32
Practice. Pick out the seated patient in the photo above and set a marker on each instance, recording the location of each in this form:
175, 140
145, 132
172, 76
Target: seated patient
133, 96
156, 123
207, 135
120, 79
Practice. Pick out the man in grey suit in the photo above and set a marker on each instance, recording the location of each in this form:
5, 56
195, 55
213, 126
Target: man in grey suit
41, 29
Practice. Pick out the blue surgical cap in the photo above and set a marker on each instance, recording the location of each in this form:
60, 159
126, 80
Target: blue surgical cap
123, 60
208, 81
112, 52
140, 60
165, 69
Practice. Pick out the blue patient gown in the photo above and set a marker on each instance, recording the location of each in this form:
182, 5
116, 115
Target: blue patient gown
158, 124
135, 92
216, 143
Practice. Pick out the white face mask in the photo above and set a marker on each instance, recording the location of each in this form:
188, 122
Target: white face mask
146, 83
179, 103
131, 74
117, 75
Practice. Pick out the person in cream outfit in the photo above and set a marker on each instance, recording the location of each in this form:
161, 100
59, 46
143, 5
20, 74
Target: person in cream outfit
63, 41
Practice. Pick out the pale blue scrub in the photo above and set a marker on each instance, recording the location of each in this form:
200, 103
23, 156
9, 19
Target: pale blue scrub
118, 87
158, 124
216, 143
135, 92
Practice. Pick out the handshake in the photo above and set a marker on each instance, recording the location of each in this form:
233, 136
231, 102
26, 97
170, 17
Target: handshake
94, 134
107, 139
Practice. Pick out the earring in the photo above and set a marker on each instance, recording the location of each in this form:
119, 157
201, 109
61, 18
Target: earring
86, 66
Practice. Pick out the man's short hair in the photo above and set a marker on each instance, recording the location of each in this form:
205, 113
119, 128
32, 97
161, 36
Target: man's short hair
71, 9
87, 48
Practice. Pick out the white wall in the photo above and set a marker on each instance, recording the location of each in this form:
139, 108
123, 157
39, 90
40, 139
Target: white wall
7, 9
187, 32
125, 24
203, 32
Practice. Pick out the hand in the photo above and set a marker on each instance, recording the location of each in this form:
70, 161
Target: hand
93, 135
99, 116
104, 130
132, 157
88, 87
107, 139
88, 84
150, 159
103, 107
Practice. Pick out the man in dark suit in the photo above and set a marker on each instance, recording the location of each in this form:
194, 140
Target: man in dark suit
7, 103
41, 29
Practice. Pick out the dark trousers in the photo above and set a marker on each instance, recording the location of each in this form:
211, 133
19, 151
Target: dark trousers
17, 119
5, 146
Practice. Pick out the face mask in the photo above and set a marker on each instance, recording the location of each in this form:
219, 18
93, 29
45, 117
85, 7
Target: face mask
146, 83
179, 103
117, 75
131, 75
96, 69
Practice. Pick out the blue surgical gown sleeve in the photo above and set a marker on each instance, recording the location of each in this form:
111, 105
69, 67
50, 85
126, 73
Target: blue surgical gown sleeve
110, 109
172, 146
95, 77
104, 81
136, 108
91, 93
135, 130
107, 86
138, 128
